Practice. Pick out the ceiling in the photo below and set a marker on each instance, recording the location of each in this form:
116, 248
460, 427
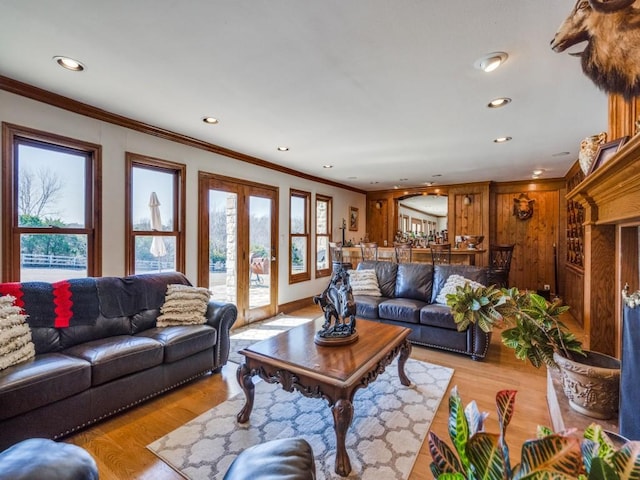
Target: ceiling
384, 91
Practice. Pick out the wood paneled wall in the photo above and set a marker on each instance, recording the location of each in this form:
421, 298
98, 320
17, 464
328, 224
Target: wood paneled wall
537, 240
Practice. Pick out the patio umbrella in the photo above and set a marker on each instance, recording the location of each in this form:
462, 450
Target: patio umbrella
158, 248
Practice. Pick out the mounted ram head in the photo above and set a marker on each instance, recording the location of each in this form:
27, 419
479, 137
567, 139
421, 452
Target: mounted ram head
611, 29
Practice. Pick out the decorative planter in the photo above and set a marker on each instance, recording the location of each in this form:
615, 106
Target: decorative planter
591, 383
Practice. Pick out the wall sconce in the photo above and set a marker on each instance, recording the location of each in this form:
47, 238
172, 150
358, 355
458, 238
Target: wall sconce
466, 200
378, 205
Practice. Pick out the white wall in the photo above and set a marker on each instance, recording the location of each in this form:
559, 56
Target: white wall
117, 140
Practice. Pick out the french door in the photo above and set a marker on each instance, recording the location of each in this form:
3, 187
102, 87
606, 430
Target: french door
238, 244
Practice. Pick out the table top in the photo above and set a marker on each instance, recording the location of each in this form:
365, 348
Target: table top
296, 351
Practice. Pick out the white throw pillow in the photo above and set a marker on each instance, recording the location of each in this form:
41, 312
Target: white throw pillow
364, 282
450, 287
15, 335
184, 305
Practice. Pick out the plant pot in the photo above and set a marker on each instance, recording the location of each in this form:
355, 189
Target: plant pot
591, 383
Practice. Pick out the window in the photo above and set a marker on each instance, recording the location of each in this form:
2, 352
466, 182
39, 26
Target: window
50, 207
299, 269
154, 215
324, 220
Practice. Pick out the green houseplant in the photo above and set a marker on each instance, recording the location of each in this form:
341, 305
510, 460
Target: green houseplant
477, 454
533, 328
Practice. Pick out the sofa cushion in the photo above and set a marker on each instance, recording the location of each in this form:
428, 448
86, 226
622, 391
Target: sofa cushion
451, 286
414, 280
401, 309
366, 306
442, 272
364, 282
184, 305
436, 315
104, 327
40, 381
182, 341
386, 274
115, 357
15, 335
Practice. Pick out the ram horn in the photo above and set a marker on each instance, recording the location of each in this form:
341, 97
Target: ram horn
610, 6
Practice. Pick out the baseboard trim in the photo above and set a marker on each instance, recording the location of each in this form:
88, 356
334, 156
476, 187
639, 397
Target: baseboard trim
296, 305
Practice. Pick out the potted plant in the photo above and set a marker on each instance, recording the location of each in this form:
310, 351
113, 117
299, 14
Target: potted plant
534, 330
477, 454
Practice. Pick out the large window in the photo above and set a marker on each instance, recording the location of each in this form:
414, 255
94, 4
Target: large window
299, 269
50, 208
154, 215
324, 220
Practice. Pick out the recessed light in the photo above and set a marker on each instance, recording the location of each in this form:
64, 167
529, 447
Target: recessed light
404, 180
538, 172
69, 63
535, 176
499, 102
374, 183
210, 120
491, 61
283, 149
436, 175
502, 139
352, 178
327, 166
561, 154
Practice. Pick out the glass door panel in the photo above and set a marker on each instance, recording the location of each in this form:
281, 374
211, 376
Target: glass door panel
260, 249
223, 246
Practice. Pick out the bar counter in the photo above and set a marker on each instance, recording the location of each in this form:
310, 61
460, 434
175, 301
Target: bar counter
419, 255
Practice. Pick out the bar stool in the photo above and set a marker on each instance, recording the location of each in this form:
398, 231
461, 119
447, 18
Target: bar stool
440, 253
369, 251
403, 252
500, 264
337, 259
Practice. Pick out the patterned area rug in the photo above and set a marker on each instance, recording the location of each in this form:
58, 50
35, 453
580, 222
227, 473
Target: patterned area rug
245, 336
389, 425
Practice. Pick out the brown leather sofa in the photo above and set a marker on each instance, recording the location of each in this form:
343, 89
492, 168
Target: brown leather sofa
409, 292
103, 365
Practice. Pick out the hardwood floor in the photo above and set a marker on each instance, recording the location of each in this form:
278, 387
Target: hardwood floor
119, 444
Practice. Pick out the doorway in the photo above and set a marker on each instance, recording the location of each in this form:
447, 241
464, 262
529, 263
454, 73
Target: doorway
238, 245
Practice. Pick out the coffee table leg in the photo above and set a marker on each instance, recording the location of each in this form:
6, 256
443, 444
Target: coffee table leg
405, 351
342, 416
243, 374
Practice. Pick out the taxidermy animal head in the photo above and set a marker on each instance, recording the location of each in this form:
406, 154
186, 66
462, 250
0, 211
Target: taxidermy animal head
523, 207
611, 29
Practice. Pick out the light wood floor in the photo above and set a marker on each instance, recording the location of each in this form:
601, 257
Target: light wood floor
118, 444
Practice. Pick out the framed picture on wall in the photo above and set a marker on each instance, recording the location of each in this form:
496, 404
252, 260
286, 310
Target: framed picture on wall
605, 152
353, 218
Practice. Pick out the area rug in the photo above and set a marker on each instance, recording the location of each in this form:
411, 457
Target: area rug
245, 336
389, 425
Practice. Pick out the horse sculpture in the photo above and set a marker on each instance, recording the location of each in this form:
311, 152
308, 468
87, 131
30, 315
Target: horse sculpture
339, 309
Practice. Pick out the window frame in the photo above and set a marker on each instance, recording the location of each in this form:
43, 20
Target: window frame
325, 272
306, 274
178, 170
12, 136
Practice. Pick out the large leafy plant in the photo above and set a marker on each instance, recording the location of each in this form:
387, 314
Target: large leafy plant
534, 329
477, 454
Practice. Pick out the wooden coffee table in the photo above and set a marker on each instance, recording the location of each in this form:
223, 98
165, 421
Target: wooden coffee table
293, 360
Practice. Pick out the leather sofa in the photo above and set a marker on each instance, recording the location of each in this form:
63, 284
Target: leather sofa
100, 366
409, 292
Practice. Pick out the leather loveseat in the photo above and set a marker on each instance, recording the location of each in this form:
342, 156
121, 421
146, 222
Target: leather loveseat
113, 358
409, 292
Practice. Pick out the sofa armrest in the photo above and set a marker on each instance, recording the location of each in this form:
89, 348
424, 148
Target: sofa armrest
479, 341
221, 316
